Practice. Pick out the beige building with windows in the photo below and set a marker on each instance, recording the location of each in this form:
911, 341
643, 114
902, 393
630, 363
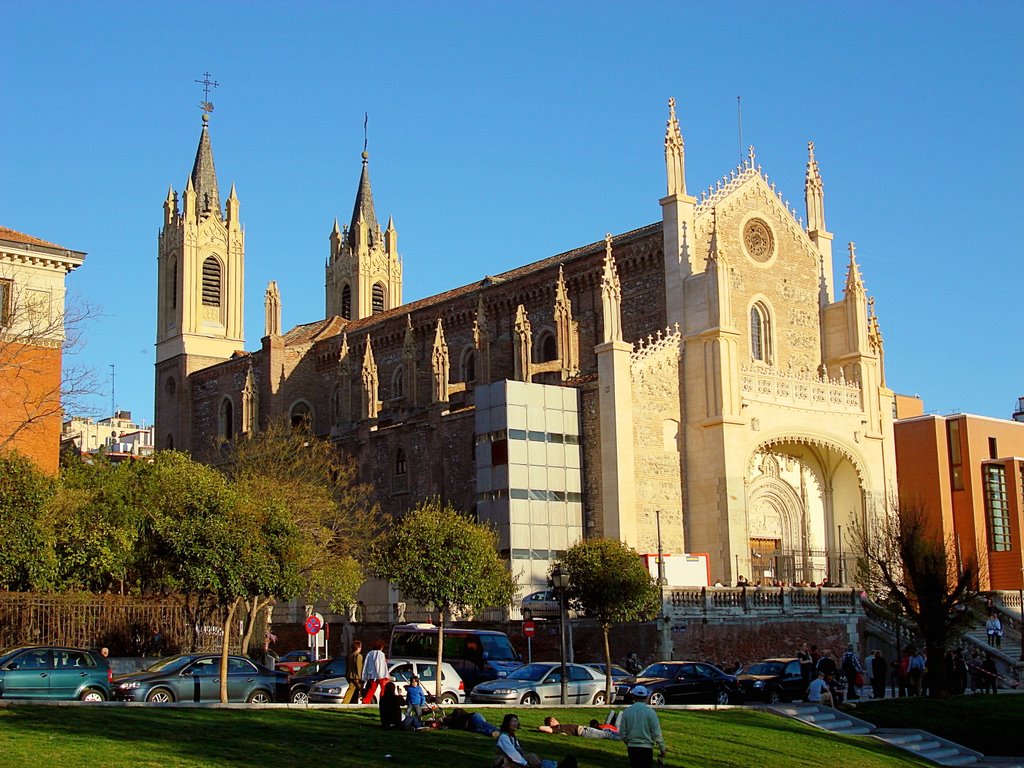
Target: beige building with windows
713, 375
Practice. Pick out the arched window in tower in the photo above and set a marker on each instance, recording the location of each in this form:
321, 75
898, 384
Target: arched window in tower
546, 348
760, 333
398, 383
346, 301
169, 443
226, 418
173, 287
378, 298
301, 416
469, 365
211, 282
400, 476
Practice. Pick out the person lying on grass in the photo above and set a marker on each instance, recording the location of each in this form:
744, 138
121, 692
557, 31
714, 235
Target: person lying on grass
551, 725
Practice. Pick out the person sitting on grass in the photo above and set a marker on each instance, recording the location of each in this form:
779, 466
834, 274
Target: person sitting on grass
592, 731
508, 752
391, 711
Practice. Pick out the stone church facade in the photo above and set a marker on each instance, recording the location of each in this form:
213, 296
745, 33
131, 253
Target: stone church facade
696, 382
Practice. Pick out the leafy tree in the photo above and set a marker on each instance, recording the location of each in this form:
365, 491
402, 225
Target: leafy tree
96, 521
26, 555
318, 489
218, 544
904, 560
438, 555
609, 582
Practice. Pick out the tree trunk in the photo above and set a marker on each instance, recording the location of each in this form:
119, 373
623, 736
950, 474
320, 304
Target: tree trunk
609, 696
250, 624
225, 646
441, 613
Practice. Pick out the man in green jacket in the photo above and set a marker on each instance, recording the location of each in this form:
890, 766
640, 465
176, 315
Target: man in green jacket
640, 729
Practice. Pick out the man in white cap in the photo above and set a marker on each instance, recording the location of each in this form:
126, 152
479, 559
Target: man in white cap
640, 729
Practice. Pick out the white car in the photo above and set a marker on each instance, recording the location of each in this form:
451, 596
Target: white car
453, 690
543, 605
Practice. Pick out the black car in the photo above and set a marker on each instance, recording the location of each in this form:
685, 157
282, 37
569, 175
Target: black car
684, 682
311, 674
775, 680
196, 677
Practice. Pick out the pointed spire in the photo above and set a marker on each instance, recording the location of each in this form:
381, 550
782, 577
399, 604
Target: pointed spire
272, 310
408, 346
204, 176
854, 283
674, 153
363, 210
814, 193
343, 357
335, 230
440, 365
611, 295
560, 294
370, 383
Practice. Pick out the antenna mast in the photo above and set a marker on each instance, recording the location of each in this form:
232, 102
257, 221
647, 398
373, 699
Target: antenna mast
739, 126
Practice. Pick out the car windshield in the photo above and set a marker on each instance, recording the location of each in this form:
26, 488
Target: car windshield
531, 672
171, 663
660, 670
767, 668
497, 648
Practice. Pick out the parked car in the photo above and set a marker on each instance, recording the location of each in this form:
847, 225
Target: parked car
293, 661
541, 683
620, 675
196, 677
684, 682
50, 672
453, 689
774, 680
476, 654
543, 605
312, 673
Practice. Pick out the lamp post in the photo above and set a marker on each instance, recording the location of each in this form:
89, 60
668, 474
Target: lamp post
560, 582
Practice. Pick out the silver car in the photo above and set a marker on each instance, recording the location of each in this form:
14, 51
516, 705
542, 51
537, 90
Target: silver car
541, 683
453, 690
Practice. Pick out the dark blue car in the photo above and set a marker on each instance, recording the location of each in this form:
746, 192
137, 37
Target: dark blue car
196, 677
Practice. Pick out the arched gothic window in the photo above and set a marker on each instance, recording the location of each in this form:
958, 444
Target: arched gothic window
760, 334
398, 383
301, 416
211, 282
169, 442
226, 419
546, 348
469, 365
378, 298
400, 465
346, 302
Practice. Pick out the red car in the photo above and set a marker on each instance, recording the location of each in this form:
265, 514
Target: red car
293, 661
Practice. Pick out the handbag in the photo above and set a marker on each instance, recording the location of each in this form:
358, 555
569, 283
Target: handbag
858, 679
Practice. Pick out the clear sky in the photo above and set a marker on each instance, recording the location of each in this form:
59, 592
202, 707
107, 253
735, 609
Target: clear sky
503, 133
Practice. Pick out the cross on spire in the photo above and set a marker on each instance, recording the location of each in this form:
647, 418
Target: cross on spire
206, 105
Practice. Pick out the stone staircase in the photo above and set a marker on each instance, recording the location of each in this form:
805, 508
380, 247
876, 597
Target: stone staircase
920, 743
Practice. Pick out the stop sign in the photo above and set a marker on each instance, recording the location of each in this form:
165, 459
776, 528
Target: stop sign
528, 628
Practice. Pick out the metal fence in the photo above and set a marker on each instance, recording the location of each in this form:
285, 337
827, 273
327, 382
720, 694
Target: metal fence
128, 626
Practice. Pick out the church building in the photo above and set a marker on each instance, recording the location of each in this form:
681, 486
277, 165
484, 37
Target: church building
699, 383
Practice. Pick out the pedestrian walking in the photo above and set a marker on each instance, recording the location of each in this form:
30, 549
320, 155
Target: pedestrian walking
640, 729
878, 669
375, 671
994, 630
354, 673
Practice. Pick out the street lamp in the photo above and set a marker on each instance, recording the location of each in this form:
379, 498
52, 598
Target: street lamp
560, 582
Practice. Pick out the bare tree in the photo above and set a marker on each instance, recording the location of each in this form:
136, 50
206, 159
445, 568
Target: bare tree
38, 344
906, 561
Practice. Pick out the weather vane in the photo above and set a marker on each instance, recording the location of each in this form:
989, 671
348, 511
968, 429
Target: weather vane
206, 105
366, 122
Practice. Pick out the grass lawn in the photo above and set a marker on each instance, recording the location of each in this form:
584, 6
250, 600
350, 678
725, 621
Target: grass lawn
989, 724
119, 737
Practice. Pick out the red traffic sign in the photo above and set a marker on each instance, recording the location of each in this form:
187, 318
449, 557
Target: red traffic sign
313, 625
529, 628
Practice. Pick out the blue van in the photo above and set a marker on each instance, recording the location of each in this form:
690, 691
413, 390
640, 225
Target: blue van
476, 654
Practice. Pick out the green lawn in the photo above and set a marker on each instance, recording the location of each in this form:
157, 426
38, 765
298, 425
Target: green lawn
989, 724
118, 737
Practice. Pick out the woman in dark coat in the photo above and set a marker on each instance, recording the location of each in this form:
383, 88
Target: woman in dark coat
390, 707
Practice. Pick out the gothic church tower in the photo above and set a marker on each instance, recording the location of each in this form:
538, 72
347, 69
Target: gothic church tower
200, 271
364, 272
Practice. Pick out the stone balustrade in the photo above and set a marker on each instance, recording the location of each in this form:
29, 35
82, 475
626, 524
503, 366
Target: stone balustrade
689, 602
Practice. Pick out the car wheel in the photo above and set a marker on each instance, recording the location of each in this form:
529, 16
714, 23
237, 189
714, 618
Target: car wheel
774, 697
93, 695
300, 695
259, 697
656, 699
160, 696
721, 696
530, 700
600, 699
527, 614
447, 699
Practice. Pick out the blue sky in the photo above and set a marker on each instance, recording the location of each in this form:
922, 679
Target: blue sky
503, 133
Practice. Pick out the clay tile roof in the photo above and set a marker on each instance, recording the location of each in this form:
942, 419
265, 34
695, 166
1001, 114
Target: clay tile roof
19, 237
